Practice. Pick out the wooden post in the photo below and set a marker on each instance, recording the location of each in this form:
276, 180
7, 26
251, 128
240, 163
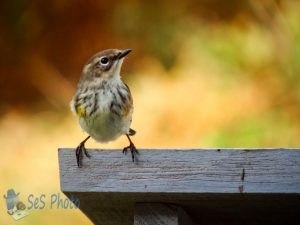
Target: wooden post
160, 214
206, 186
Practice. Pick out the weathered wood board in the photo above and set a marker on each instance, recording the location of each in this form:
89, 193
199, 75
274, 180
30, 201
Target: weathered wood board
212, 185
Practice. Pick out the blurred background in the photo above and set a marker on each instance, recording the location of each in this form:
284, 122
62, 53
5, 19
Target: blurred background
203, 74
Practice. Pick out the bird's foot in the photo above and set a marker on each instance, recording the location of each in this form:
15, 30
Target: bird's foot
133, 150
79, 153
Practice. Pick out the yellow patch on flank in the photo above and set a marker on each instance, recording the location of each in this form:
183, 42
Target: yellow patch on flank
126, 110
80, 111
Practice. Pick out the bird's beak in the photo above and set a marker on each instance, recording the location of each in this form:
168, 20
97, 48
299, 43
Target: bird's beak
123, 53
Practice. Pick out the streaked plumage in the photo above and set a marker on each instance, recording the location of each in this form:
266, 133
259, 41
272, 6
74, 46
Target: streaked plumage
103, 102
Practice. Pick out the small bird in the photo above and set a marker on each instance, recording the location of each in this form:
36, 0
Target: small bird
103, 102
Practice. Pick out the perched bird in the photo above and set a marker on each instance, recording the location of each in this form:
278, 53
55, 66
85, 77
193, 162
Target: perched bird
103, 102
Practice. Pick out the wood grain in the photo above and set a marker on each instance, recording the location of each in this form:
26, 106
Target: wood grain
214, 186
197, 171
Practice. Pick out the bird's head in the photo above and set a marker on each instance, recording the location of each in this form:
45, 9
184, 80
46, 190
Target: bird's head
105, 64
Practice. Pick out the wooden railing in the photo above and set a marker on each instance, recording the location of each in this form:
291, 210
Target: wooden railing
186, 186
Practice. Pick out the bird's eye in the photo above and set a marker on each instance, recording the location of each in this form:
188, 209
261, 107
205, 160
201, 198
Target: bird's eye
104, 61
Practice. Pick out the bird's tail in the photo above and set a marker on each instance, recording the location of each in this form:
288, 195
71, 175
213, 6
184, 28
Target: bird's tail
131, 132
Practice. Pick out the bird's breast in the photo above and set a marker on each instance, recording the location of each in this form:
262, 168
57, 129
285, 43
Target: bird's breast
104, 113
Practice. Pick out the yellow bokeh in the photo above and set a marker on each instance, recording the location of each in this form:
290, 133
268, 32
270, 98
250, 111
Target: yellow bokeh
216, 83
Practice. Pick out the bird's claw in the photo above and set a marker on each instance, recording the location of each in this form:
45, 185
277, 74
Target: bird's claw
133, 151
79, 154
86, 153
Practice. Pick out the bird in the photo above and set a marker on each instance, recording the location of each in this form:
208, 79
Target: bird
103, 103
